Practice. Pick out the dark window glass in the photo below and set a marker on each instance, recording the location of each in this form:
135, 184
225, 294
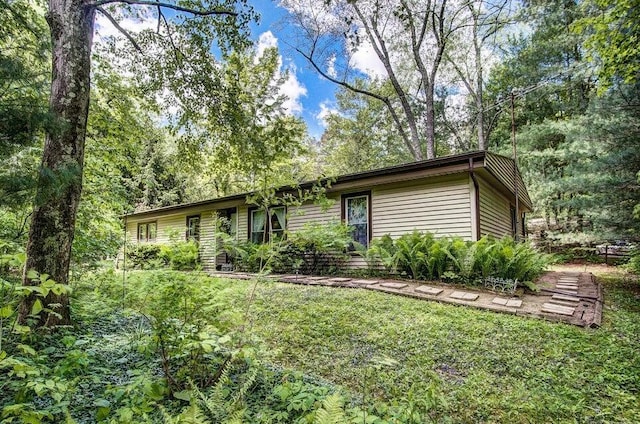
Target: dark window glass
193, 228
357, 217
147, 231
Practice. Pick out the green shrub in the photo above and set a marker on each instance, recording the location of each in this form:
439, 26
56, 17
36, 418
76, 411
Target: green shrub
178, 255
314, 249
181, 255
144, 256
243, 254
421, 256
634, 263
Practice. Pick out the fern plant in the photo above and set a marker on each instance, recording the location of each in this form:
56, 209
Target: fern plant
331, 411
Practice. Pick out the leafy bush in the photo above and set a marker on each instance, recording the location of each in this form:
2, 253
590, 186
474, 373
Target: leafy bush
144, 256
423, 257
178, 255
634, 263
314, 249
181, 256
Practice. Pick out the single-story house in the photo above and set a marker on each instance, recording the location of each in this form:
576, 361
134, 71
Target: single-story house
467, 195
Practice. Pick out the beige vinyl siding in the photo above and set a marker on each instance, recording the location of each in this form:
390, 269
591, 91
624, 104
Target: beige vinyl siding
176, 224
310, 212
495, 212
502, 167
165, 226
243, 222
207, 239
442, 208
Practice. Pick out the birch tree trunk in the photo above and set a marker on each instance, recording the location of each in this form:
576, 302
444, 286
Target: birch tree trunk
60, 177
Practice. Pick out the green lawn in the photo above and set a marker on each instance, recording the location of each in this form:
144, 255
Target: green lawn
470, 365
488, 366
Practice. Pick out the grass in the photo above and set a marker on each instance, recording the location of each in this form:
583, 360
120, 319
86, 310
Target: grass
474, 366
489, 367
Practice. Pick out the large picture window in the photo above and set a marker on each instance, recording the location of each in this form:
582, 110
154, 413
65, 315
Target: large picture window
274, 226
193, 228
357, 216
147, 231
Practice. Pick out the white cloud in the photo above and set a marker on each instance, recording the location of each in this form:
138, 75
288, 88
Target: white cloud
266, 41
366, 60
326, 109
145, 19
331, 67
293, 90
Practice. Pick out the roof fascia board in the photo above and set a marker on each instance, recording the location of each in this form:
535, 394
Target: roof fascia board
431, 167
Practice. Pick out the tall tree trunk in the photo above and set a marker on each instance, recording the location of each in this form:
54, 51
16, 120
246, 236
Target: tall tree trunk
430, 122
482, 143
60, 178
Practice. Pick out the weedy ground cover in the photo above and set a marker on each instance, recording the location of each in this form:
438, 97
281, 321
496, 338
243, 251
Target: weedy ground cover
485, 366
316, 354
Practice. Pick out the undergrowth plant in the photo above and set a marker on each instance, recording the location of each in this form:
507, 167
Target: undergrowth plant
177, 255
421, 256
33, 388
313, 249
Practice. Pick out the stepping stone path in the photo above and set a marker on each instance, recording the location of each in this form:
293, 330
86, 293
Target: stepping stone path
565, 303
364, 282
559, 301
553, 308
433, 291
463, 295
511, 303
394, 285
340, 280
565, 298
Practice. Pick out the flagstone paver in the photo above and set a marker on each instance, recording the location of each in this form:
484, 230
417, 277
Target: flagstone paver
557, 301
464, 295
394, 285
511, 303
557, 309
500, 301
565, 298
364, 282
434, 291
563, 303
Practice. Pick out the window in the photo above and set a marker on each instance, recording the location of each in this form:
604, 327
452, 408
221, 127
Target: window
356, 214
277, 224
147, 231
193, 228
228, 219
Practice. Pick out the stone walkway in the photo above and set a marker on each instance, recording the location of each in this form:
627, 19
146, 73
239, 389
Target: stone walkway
573, 298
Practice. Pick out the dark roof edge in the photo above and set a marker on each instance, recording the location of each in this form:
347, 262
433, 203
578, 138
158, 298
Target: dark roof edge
391, 170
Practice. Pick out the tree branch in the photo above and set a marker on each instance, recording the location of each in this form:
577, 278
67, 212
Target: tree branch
119, 28
168, 6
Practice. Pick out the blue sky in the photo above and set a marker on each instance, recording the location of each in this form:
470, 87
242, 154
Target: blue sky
310, 94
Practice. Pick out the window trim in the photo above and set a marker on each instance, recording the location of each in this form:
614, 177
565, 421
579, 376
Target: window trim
343, 210
186, 233
250, 221
147, 239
